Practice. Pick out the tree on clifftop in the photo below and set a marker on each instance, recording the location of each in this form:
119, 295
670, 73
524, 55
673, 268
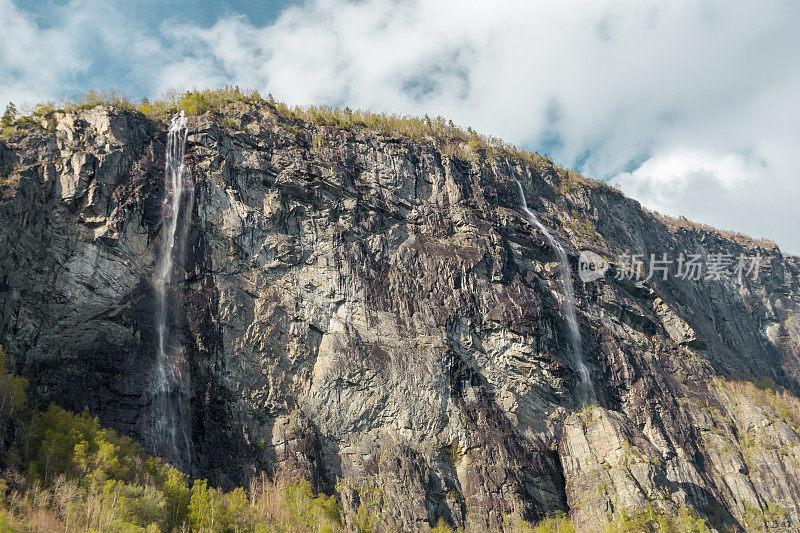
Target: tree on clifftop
10, 115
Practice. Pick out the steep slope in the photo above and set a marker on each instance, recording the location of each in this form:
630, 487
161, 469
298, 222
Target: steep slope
380, 318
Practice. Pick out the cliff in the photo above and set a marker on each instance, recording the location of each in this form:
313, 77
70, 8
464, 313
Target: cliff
376, 314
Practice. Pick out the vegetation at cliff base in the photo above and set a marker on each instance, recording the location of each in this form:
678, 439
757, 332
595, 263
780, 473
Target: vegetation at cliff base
65, 472
61, 471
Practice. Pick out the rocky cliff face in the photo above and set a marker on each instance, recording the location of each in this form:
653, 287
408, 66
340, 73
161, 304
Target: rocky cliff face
380, 318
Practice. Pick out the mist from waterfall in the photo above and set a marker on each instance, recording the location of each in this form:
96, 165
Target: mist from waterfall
584, 392
170, 437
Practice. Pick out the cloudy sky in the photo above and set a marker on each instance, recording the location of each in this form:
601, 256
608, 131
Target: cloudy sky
690, 106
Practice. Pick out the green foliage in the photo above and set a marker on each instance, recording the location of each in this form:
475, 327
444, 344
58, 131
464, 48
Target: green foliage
648, 520
557, 523
111, 480
770, 518
5, 524
76, 445
95, 98
309, 509
365, 521
207, 510
45, 109
451, 140
87, 100
441, 527
80, 476
195, 103
176, 493
9, 116
12, 391
216, 511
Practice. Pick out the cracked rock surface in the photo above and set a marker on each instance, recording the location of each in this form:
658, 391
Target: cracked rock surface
364, 311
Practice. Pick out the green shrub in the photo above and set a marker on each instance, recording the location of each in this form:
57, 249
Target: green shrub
83, 477
648, 520
5, 524
195, 103
90, 476
453, 140
94, 98
12, 391
365, 521
9, 116
557, 523
449, 139
309, 508
207, 510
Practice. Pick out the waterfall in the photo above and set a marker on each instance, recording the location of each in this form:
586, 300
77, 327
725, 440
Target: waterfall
584, 391
169, 386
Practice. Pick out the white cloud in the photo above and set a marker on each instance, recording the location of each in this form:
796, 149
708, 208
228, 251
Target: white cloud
666, 98
725, 190
85, 44
700, 94
33, 60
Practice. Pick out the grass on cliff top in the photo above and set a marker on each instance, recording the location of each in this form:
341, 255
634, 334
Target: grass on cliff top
460, 143
684, 223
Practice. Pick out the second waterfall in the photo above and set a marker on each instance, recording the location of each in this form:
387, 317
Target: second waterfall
584, 390
169, 402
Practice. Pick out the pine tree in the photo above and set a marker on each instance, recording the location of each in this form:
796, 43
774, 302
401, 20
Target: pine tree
10, 115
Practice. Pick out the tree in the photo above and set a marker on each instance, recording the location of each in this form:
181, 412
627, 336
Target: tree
207, 510
12, 392
10, 115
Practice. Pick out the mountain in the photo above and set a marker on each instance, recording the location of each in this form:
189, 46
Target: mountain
374, 311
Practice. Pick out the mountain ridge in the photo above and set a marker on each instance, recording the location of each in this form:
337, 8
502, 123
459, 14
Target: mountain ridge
377, 315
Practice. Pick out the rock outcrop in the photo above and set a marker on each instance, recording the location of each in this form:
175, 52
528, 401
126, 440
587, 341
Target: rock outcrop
367, 312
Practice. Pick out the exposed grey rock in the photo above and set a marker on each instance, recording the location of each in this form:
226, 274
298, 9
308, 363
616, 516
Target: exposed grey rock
379, 318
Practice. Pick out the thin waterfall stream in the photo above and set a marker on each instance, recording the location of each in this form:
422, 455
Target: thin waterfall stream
169, 401
584, 391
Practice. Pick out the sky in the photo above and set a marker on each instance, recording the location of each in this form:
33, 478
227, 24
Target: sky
689, 106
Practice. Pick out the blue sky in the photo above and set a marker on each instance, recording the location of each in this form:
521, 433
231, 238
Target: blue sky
112, 68
689, 106
49, 13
